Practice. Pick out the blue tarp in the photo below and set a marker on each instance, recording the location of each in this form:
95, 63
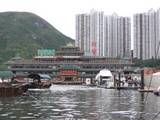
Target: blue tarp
44, 76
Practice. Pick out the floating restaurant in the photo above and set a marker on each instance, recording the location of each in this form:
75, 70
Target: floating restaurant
68, 64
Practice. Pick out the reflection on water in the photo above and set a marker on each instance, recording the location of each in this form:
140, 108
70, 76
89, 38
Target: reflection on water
80, 102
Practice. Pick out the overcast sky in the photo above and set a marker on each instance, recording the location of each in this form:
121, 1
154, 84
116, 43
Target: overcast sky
61, 13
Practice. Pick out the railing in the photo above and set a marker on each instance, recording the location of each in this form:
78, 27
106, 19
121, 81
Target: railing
30, 69
69, 63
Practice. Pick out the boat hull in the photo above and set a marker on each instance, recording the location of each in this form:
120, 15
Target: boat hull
11, 90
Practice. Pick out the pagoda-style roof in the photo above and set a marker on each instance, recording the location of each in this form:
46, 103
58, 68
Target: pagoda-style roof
17, 57
69, 50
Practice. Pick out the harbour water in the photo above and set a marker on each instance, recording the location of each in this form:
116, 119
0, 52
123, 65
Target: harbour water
62, 102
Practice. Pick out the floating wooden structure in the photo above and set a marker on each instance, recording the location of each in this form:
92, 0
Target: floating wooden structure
11, 90
7, 88
145, 90
127, 88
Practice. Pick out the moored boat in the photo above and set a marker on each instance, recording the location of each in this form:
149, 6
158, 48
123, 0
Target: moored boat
39, 81
11, 90
104, 79
8, 88
35, 81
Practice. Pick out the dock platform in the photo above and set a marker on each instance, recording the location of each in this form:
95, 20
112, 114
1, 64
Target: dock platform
125, 88
120, 87
145, 90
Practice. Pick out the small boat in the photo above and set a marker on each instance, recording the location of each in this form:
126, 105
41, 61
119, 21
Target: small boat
39, 81
8, 88
35, 81
11, 90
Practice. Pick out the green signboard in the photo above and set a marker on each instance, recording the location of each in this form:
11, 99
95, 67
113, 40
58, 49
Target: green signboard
46, 52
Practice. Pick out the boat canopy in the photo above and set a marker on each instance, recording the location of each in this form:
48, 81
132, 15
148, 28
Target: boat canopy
34, 76
104, 73
44, 76
39, 76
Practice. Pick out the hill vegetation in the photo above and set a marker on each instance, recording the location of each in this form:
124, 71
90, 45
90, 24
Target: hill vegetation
23, 33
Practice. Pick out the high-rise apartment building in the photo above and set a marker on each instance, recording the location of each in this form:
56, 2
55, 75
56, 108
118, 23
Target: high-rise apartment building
146, 34
117, 36
89, 32
102, 35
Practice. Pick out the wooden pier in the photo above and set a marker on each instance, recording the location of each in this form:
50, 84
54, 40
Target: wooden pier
145, 90
127, 88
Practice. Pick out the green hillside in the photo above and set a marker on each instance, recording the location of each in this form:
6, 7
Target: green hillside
24, 33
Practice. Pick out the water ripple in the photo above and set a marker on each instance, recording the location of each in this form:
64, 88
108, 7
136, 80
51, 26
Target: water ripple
79, 102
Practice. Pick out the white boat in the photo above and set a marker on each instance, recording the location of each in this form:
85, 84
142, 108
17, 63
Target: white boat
105, 79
